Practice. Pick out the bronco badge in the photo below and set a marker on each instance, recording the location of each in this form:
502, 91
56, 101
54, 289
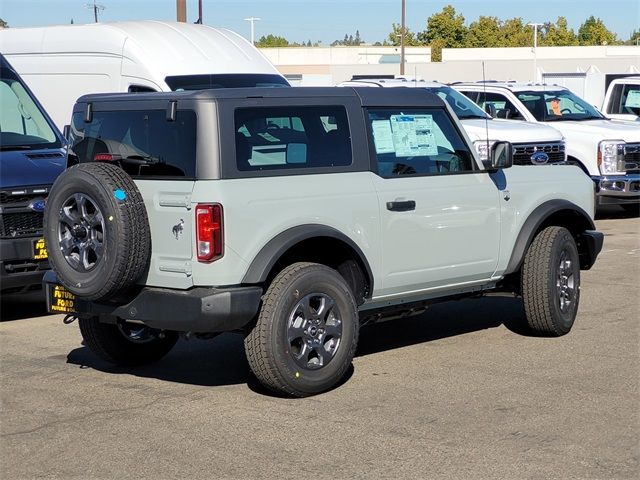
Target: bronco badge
177, 229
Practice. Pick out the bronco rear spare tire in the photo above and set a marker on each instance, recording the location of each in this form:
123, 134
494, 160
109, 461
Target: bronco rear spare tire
96, 230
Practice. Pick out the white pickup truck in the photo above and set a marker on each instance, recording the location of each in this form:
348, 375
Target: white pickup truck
608, 151
622, 100
532, 144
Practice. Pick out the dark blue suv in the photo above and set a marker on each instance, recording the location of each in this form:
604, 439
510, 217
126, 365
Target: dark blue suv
31, 157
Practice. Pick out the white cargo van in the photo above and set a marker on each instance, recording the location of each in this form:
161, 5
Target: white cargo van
62, 63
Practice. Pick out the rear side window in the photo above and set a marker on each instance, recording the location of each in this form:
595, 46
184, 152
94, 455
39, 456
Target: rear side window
625, 99
143, 143
417, 142
292, 137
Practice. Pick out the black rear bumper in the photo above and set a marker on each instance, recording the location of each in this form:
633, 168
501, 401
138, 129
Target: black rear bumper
199, 309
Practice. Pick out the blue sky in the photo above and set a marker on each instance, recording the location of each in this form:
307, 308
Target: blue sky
324, 20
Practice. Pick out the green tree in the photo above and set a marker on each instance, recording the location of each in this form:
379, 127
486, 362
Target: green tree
436, 50
484, 32
558, 34
446, 26
634, 39
3, 24
516, 33
594, 32
394, 36
349, 40
272, 41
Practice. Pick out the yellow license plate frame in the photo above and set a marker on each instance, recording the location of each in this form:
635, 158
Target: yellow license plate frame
60, 299
40, 250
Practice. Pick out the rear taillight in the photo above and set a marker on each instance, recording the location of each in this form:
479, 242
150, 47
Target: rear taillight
103, 157
209, 239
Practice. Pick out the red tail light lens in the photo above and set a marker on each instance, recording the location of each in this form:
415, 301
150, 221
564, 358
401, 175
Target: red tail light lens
103, 157
209, 238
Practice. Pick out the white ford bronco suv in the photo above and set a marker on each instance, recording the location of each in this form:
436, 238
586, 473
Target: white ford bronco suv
607, 151
294, 216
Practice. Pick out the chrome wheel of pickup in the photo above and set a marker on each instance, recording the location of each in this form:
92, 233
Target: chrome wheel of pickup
314, 331
565, 282
81, 232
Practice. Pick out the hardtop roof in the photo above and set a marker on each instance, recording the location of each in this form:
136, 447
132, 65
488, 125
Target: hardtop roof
383, 97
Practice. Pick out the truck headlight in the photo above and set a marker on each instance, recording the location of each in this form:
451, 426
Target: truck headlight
483, 147
611, 157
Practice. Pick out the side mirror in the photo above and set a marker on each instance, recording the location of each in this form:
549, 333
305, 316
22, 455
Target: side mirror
490, 108
66, 130
501, 156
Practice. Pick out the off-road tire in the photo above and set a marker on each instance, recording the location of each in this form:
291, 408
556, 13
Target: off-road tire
126, 239
543, 282
108, 342
267, 346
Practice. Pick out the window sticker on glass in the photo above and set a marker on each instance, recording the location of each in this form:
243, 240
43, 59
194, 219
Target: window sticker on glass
633, 99
382, 136
413, 135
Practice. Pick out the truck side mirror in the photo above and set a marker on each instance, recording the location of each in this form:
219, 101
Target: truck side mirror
66, 130
501, 156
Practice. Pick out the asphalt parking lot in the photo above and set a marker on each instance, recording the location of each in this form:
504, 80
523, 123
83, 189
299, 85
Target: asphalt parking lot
453, 393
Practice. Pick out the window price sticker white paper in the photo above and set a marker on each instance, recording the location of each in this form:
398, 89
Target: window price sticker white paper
382, 136
633, 99
413, 135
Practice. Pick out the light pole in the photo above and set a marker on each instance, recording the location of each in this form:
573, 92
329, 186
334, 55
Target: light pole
252, 20
402, 31
95, 7
535, 48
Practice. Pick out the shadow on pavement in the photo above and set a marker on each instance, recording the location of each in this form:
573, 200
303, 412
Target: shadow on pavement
612, 212
222, 361
21, 306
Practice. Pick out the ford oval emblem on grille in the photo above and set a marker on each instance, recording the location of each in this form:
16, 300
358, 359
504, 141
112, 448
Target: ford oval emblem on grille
539, 158
38, 205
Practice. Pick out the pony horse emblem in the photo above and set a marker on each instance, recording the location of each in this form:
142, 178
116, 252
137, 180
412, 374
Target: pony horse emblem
177, 229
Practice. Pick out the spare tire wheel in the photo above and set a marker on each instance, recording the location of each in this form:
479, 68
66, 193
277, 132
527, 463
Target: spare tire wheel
96, 230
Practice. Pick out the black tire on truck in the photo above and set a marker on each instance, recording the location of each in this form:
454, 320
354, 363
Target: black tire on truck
551, 282
96, 230
126, 343
306, 333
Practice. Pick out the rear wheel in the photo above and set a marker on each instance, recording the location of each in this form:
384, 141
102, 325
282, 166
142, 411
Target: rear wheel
306, 333
551, 282
126, 343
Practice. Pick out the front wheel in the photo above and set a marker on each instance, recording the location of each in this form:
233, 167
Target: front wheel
306, 333
551, 282
126, 343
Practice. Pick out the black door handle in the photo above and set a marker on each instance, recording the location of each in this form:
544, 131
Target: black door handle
404, 206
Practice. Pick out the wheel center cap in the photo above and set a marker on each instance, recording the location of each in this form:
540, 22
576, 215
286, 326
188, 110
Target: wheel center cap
313, 331
79, 232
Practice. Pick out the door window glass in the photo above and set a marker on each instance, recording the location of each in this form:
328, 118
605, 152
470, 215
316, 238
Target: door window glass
417, 142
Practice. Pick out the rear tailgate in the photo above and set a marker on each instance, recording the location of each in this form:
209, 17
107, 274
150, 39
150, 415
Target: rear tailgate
170, 212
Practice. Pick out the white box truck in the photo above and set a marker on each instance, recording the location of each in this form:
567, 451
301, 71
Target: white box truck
62, 63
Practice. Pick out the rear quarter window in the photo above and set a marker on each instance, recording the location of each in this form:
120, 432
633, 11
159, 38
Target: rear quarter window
143, 143
286, 138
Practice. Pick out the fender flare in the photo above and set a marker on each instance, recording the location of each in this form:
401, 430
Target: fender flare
532, 224
273, 250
